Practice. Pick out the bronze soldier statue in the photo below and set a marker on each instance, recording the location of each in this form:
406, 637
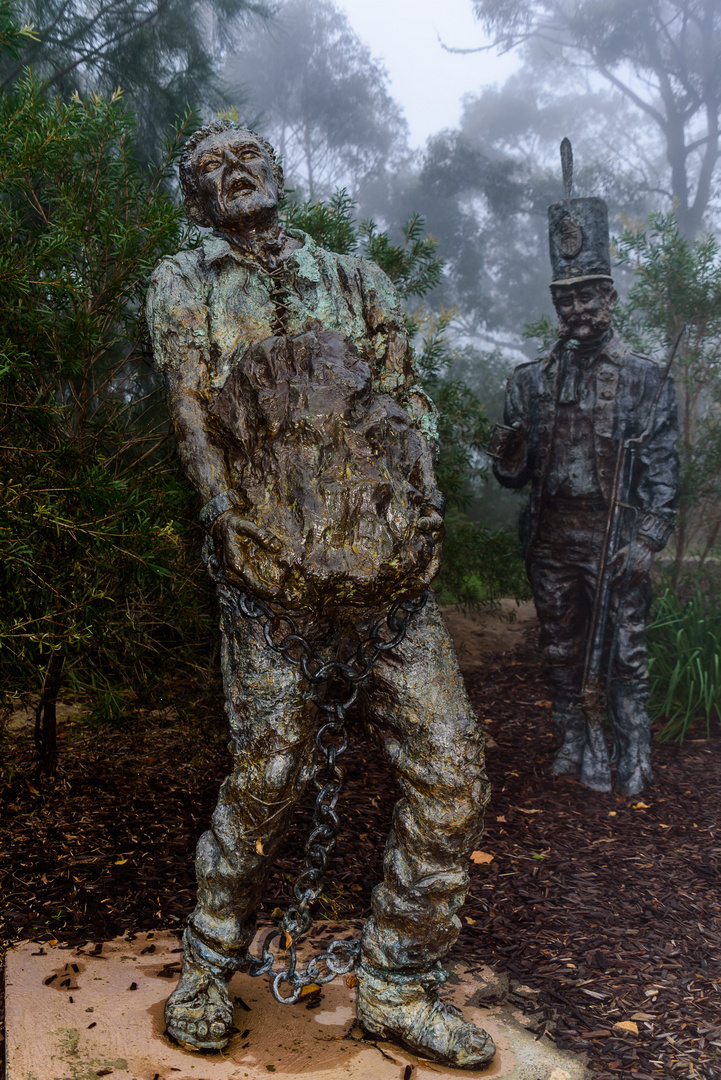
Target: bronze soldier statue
300, 423
592, 428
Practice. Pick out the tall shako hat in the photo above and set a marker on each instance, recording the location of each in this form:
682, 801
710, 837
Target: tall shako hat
577, 233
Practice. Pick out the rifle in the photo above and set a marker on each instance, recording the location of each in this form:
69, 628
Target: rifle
596, 765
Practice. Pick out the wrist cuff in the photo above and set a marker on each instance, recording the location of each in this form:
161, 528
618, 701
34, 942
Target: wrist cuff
216, 506
655, 530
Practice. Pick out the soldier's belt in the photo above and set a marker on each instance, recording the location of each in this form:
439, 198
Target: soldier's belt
581, 505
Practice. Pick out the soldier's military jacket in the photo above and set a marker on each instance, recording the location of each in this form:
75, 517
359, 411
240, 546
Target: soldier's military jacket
625, 401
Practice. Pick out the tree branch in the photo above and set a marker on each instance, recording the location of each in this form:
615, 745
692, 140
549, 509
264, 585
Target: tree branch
162, 4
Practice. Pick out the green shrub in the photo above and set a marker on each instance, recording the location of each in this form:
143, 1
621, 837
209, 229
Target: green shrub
100, 579
684, 641
480, 566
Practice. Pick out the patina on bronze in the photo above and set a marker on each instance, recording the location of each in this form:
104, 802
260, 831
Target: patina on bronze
593, 429
300, 422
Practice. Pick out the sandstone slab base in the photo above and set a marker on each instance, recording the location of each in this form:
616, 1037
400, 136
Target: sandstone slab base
80, 1014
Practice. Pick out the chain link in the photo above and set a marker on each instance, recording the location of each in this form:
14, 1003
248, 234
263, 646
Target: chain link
331, 741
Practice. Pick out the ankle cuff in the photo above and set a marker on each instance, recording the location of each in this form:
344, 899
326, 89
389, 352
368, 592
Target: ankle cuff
218, 963
434, 976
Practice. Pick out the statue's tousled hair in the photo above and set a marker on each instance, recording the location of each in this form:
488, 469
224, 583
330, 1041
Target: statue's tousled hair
188, 180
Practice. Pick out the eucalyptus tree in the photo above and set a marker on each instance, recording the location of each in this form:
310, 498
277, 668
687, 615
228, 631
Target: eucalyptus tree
320, 97
661, 57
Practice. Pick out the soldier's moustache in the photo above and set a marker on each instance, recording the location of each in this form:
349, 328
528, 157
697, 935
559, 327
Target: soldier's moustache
595, 323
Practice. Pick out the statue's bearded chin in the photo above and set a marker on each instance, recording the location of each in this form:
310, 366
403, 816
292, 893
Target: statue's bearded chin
590, 326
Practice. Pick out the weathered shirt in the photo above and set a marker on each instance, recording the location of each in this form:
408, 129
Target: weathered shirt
572, 472
213, 302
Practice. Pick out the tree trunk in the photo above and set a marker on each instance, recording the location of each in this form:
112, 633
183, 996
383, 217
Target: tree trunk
46, 731
308, 151
711, 538
677, 564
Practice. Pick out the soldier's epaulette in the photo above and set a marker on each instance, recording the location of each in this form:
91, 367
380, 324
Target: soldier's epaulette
529, 363
643, 359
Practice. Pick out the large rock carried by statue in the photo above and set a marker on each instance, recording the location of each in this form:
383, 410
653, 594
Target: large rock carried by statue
333, 470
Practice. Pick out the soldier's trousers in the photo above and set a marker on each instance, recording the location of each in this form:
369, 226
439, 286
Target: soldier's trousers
563, 570
415, 707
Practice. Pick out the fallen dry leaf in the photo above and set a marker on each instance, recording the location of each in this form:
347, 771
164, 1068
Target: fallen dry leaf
501, 817
259, 847
641, 806
311, 988
626, 1026
481, 857
351, 981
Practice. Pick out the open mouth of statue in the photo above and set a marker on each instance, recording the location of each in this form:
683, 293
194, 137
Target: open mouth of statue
241, 186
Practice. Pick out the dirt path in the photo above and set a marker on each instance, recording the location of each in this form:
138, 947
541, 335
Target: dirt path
480, 634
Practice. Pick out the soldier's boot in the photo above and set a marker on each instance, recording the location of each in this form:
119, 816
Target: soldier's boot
632, 731
404, 1006
199, 1012
570, 729
569, 725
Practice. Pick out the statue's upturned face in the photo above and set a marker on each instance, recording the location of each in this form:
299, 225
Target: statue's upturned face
236, 185
584, 309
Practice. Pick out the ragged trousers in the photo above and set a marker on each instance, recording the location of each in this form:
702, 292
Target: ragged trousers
415, 707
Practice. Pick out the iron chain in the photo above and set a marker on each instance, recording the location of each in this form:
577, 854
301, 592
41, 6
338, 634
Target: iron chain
331, 741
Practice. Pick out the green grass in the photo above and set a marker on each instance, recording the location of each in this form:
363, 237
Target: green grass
684, 641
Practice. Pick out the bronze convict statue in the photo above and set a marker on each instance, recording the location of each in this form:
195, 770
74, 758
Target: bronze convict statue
592, 428
300, 423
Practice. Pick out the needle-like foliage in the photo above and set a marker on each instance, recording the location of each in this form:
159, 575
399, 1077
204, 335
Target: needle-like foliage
97, 569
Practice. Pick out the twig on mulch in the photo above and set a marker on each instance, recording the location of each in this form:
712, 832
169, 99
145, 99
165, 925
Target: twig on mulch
606, 909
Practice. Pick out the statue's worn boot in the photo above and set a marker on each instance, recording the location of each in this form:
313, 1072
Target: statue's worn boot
570, 730
632, 731
199, 1013
405, 1007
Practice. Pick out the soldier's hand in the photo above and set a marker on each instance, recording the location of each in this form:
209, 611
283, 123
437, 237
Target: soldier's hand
507, 443
642, 556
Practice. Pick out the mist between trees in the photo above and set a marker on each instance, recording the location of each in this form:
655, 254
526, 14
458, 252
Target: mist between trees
99, 545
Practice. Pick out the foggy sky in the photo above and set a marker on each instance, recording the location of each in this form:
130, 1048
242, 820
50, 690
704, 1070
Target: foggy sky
427, 82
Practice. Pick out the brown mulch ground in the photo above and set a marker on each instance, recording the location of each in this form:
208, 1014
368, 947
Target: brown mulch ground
607, 907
